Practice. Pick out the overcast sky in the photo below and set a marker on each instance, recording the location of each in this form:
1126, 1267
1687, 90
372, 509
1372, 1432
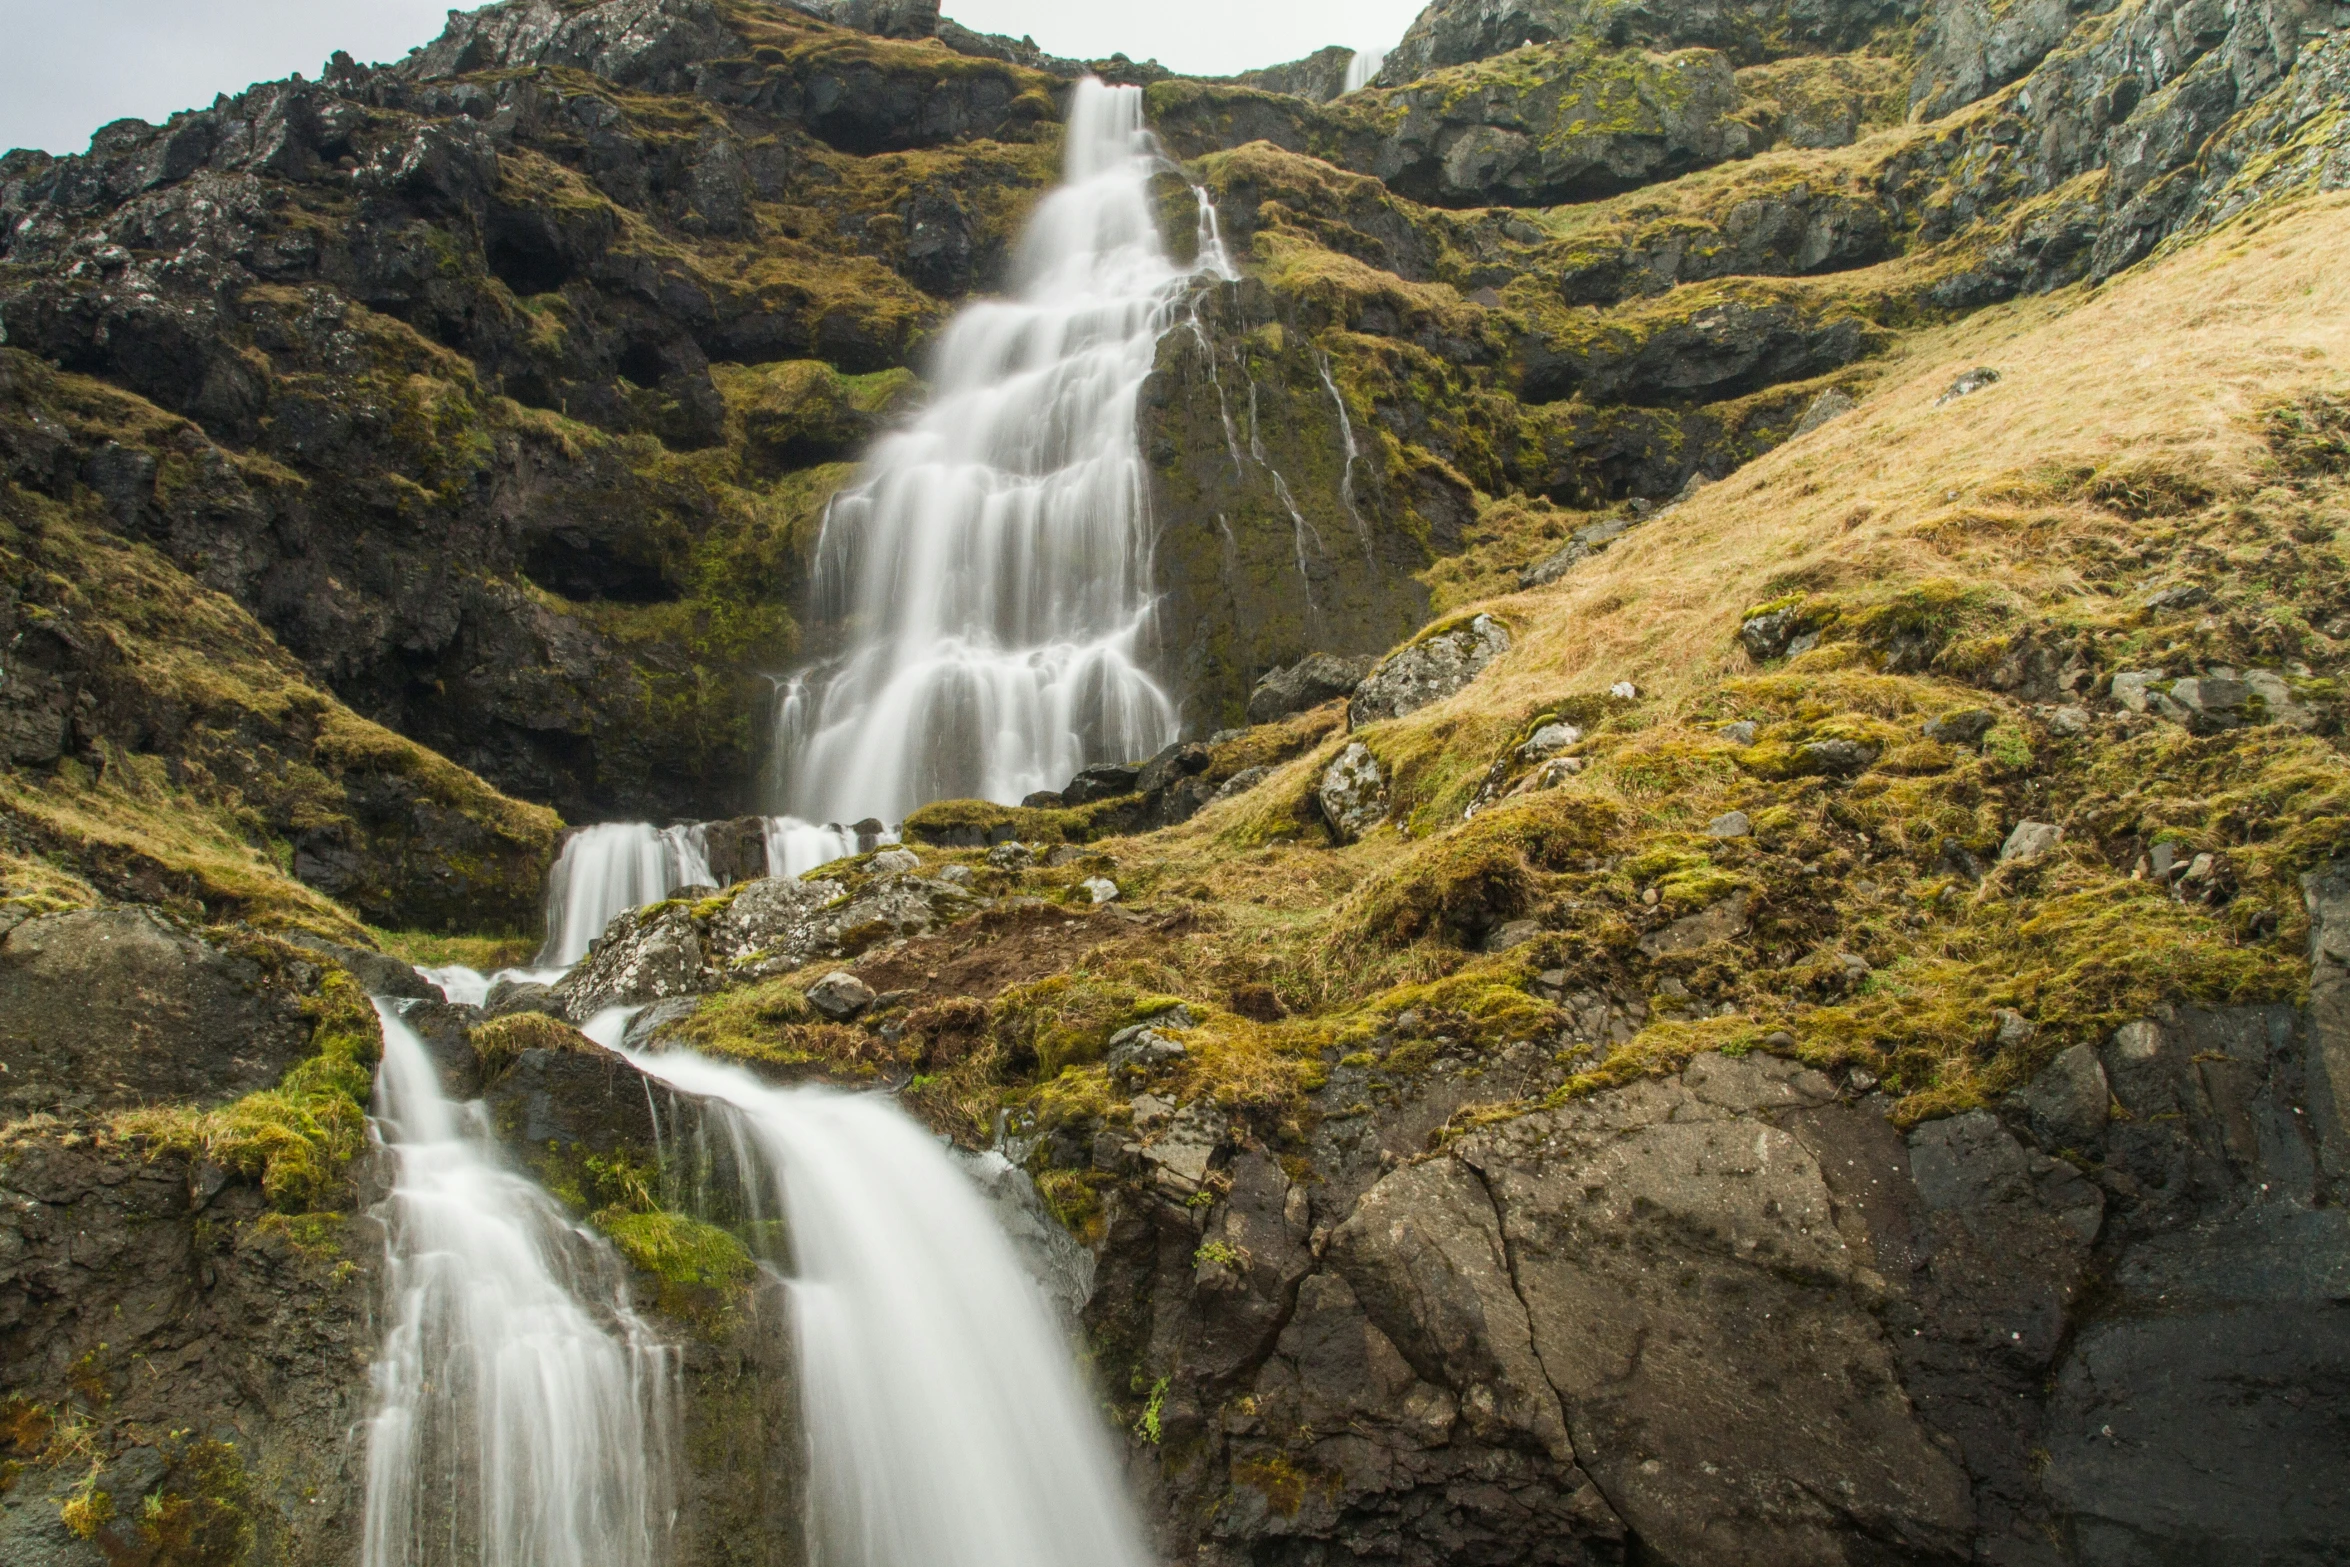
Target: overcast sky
70, 66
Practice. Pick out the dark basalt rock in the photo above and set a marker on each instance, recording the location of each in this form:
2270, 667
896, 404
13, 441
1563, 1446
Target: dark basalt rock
106, 1009
1305, 685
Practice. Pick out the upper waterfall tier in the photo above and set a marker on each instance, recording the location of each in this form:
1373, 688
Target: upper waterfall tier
992, 567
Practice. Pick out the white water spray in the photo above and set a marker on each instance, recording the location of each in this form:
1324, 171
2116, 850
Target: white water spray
993, 565
608, 870
1365, 65
523, 1412
946, 1427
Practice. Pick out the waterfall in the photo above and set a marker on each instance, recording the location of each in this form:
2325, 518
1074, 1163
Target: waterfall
1362, 68
946, 1427
606, 871
524, 1413
992, 565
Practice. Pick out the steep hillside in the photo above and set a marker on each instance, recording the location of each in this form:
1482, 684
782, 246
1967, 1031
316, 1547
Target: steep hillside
1745, 962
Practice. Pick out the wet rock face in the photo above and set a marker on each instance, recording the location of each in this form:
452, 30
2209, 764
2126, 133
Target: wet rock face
117, 1262
1736, 1316
107, 1009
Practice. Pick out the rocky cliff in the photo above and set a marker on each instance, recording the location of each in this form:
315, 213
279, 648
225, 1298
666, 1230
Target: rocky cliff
1762, 982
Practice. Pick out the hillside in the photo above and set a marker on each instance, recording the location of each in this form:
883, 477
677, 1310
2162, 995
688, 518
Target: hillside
1742, 962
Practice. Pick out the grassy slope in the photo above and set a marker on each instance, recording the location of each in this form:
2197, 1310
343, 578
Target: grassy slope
2136, 436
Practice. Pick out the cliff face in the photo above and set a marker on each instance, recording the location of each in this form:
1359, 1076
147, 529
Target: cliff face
1796, 1015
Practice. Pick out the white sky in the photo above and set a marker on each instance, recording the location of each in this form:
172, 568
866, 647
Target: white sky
70, 66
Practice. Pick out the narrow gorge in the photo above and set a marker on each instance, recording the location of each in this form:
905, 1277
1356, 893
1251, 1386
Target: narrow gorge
780, 785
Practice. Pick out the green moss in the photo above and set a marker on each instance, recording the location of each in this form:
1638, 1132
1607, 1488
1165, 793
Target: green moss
702, 1273
498, 1043
300, 1137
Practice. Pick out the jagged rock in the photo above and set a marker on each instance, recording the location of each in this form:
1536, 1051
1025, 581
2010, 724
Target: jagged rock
511, 996
1723, 921
1767, 636
1105, 781
1965, 728
1318, 78
1585, 543
1453, 32
2068, 1103
736, 850
1100, 889
2207, 704
1837, 758
841, 996
2278, 699
1967, 385
2133, 688
1011, 856
1308, 683
104, 1009
1353, 793
644, 956
1242, 782
2030, 840
378, 973
1548, 741
1428, 671
888, 18
1830, 405
2069, 722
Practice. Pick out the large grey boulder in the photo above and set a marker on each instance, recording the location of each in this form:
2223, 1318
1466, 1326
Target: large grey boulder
1353, 793
102, 1009
1429, 670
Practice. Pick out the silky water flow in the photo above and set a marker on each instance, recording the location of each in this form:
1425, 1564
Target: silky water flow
524, 1414
992, 566
946, 1426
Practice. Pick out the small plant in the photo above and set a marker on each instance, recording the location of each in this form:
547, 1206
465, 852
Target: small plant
1147, 1426
1221, 1253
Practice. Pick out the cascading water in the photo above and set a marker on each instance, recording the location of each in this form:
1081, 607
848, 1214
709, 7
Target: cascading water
606, 871
515, 1426
945, 1424
993, 566
1365, 65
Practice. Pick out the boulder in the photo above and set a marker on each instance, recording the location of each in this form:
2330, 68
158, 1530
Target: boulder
1732, 824
1582, 545
1353, 793
841, 997
1963, 728
1429, 670
1106, 781
1966, 385
1830, 405
736, 851
1767, 636
1723, 921
2068, 1104
645, 955
378, 973
1304, 685
2134, 688
104, 1009
1837, 758
1100, 889
2030, 840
